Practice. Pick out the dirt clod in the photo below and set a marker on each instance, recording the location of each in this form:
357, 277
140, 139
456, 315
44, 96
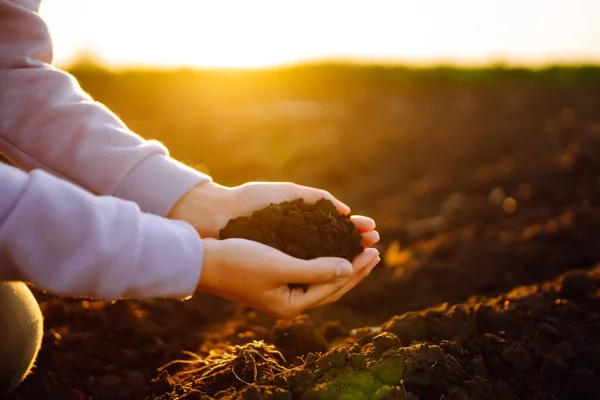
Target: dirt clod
298, 337
299, 229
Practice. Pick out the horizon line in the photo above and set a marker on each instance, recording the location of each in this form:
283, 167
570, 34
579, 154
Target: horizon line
87, 61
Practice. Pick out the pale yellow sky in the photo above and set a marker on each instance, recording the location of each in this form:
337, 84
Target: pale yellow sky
251, 33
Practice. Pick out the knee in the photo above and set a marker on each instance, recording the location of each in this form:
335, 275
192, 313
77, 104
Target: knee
21, 330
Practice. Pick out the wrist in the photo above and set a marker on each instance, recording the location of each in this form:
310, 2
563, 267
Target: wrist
210, 276
205, 206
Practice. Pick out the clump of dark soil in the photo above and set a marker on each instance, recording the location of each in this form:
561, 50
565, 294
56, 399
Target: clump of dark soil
534, 342
298, 337
299, 229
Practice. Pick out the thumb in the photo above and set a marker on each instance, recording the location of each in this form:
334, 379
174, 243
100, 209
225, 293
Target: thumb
318, 270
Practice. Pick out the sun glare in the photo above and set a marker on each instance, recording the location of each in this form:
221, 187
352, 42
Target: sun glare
228, 33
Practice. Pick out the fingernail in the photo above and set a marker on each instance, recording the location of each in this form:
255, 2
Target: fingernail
344, 269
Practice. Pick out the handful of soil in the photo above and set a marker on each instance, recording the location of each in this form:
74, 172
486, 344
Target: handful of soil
300, 230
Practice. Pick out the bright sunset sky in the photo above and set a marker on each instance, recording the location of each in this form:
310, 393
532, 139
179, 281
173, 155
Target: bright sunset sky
250, 33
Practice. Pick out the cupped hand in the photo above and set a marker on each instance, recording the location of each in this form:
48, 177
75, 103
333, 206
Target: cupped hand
258, 276
209, 206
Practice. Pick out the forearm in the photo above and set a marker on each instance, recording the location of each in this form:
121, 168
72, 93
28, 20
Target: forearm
70, 242
47, 121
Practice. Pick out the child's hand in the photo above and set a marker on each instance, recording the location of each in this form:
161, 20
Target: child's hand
257, 276
209, 206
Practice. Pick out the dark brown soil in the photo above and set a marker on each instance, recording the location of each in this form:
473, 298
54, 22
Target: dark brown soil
487, 199
299, 229
533, 342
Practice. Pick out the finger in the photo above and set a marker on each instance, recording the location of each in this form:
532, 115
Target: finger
317, 293
312, 195
351, 283
308, 272
362, 223
370, 238
364, 259
361, 273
